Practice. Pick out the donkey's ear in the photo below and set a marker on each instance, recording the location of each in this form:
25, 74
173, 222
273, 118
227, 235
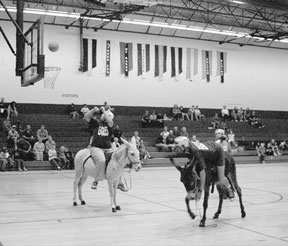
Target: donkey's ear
125, 141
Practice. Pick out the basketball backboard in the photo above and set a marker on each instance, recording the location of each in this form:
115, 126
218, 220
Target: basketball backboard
34, 58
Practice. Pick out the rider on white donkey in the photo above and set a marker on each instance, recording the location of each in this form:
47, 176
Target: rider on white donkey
101, 140
209, 153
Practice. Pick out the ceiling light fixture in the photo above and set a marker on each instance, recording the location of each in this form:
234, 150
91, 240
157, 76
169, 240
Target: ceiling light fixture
138, 22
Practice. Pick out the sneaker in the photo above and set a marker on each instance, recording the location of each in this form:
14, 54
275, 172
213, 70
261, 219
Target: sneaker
230, 193
94, 185
122, 187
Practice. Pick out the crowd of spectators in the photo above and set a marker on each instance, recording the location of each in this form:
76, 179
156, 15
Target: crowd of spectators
271, 149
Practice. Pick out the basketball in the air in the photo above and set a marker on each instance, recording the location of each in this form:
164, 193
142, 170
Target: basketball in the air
53, 46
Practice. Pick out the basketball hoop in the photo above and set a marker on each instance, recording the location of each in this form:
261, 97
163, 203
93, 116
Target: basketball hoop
51, 73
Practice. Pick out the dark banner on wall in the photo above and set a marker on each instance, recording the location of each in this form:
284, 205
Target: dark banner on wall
143, 54
221, 64
126, 58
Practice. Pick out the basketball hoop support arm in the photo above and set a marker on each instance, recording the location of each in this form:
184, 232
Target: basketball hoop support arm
7, 41
15, 24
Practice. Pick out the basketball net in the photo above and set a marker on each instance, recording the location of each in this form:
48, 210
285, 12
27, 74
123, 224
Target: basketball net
51, 73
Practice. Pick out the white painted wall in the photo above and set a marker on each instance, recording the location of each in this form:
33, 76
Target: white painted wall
256, 77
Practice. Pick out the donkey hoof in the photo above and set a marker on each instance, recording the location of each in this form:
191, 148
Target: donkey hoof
202, 224
118, 208
83, 203
74, 203
243, 214
216, 216
114, 210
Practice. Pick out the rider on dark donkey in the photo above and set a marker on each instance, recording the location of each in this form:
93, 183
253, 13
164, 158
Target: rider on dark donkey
209, 157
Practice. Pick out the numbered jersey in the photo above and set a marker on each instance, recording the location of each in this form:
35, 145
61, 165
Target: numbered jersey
208, 154
102, 134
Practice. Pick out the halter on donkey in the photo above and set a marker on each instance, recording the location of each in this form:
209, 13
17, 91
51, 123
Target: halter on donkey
190, 179
84, 167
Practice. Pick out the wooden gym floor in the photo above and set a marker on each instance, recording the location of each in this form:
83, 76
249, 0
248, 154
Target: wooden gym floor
36, 209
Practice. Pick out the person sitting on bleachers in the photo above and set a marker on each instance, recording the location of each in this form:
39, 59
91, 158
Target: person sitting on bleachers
18, 157
5, 159
231, 137
194, 139
247, 114
3, 109
6, 126
254, 121
160, 143
184, 132
166, 118
215, 123
191, 113
145, 121
170, 141
283, 145
176, 132
66, 158
274, 146
24, 150
12, 138
177, 115
144, 154
42, 133
115, 144
27, 134
38, 150
184, 114
12, 110
160, 119
53, 158
49, 144
165, 133
234, 114
269, 150
153, 119
72, 111
240, 114
198, 114
225, 115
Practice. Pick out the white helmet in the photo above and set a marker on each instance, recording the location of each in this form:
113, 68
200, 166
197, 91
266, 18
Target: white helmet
182, 141
219, 131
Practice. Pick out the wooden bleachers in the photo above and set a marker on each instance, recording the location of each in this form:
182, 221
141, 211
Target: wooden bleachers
75, 135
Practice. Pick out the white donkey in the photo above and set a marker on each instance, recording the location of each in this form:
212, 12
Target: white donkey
84, 167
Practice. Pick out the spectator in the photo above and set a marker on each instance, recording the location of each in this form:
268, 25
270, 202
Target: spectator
198, 114
108, 107
72, 111
145, 121
66, 158
275, 148
183, 113
43, 134
160, 143
38, 150
283, 145
170, 141
215, 122
24, 150
5, 159
135, 139
144, 154
50, 143
153, 119
254, 121
6, 126
18, 158
12, 138
194, 139
240, 114
176, 132
225, 115
231, 137
53, 158
177, 115
27, 134
269, 150
191, 113
234, 114
3, 109
261, 151
160, 119
115, 144
165, 133
247, 114
12, 110
184, 132
84, 109
166, 118
117, 133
